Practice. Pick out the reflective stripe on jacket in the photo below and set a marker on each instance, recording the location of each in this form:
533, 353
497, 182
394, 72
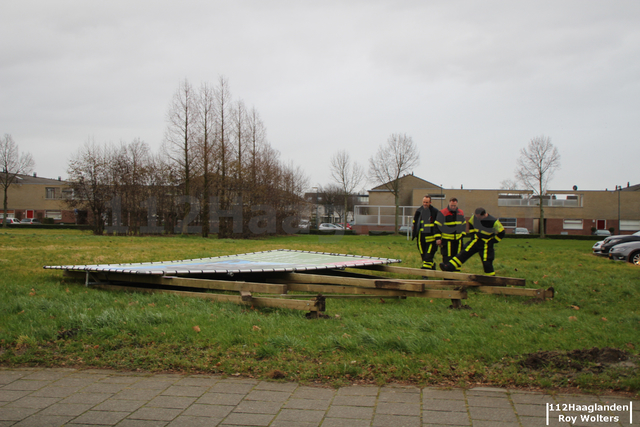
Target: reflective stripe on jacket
452, 225
486, 229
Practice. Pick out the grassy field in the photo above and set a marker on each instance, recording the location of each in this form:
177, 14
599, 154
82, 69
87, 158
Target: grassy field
46, 320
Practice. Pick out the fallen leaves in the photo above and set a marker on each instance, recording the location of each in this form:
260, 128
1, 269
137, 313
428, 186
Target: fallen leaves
196, 328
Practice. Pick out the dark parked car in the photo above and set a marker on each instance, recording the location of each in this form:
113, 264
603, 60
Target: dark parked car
629, 251
612, 241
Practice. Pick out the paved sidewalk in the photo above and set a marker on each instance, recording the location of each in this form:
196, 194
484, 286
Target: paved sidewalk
57, 397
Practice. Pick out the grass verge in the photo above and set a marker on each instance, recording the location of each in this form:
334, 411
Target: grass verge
46, 320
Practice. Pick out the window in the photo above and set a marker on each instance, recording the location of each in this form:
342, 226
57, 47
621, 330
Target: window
572, 224
52, 192
53, 214
508, 222
629, 225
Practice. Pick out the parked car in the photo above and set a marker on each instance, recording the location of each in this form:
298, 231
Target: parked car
12, 221
629, 251
346, 226
612, 241
597, 247
32, 221
521, 230
329, 227
602, 233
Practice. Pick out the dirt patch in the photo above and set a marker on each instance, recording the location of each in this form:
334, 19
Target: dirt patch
575, 360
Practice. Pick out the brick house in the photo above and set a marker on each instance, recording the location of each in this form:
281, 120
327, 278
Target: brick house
566, 212
35, 197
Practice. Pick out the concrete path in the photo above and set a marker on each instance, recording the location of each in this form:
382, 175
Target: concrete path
56, 397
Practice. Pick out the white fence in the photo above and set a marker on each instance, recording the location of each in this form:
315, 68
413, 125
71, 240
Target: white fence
383, 215
564, 203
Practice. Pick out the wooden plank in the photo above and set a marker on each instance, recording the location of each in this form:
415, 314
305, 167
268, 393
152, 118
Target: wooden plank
528, 292
328, 289
220, 285
498, 280
309, 305
350, 281
339, 296
246, 296
494, 280
443, 284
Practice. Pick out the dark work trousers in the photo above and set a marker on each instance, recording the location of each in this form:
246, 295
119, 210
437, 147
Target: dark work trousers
450, 248
482, 247
427, 252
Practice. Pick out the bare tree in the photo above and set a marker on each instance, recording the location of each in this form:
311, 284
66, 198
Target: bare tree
13, 163
206, 149
129, 166
391, 162
180, 138
535, 168
89, 178
240, 133
332, 199
346, 174
257, 140
222, 103
508, 184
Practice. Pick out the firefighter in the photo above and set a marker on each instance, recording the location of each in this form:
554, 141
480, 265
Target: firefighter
426, 230
452, 226
485, 231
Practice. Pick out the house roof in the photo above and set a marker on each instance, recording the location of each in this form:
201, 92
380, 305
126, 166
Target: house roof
383, 187
30, 179
632, 188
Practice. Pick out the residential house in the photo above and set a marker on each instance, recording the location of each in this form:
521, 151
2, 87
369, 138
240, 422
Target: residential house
566, 211
31, 196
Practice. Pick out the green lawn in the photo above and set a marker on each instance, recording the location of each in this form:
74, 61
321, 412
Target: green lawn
46, 320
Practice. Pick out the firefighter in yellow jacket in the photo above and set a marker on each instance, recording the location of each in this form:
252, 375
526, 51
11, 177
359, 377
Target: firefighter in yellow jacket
426, 230
485, 231
452, 226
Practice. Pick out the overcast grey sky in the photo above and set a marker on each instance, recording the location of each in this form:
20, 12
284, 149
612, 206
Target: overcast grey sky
470, 81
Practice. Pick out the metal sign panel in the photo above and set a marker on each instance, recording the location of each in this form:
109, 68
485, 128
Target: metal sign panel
281, 260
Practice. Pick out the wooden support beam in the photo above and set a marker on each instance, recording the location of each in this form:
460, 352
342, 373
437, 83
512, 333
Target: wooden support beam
493, 280
339, 296
306, 305
246, 296
527, 292
351, 281
329, 289
185, 282
442, 284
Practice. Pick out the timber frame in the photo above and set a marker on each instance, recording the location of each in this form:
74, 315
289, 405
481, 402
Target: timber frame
311, 290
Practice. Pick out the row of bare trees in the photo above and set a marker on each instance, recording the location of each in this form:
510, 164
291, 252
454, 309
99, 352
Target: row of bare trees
215, 169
